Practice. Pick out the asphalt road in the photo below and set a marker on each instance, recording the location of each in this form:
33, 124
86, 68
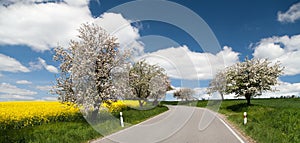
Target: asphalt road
180, 124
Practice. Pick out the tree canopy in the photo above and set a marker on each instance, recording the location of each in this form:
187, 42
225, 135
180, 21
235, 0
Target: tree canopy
184, 94
252, 77
218, 84
148, 81
95, 69
87, 66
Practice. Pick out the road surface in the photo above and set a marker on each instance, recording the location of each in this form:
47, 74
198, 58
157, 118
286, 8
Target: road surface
181, 124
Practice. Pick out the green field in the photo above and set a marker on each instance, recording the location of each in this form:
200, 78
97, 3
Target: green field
269, 120
76, 131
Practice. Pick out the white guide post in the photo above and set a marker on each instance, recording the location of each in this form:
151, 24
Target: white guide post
121, 120
245, 118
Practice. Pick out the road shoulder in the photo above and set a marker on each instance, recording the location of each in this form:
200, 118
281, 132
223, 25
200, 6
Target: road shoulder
236, 129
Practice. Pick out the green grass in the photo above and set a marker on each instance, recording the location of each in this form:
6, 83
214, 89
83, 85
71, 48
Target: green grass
74, 132
269, 120
53, 132
134, 116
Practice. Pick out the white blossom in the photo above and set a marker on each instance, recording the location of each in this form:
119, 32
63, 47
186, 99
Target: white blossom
218, 84
184, 94
87, 68
148, 82
252, 77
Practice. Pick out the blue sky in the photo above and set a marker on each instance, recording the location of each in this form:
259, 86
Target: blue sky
256, 29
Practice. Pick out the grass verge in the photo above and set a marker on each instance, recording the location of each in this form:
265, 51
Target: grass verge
269, 120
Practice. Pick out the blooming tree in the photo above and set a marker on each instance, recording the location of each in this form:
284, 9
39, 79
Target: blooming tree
184, 94
88, 67
218, 84
147, 81
252, 77
120, 80
158, 87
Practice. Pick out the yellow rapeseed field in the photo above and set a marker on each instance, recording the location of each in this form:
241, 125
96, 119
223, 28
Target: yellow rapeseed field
22, 114
131, 103
119, 105
114, 106
19, 114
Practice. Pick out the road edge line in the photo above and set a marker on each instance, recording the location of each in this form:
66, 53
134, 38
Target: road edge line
231, 130
226, 125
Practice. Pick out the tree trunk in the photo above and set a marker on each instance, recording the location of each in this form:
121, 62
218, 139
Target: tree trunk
141, 103
94, 115
155, 102
222, 96
96, 110
248, 97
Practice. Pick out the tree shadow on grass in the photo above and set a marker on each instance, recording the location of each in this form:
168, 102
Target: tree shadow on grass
240, 107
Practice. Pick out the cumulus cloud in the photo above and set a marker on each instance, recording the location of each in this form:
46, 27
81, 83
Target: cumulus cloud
49, 68
291, 15
8, 97
128, 36
284, 49
8, 89
181, 63
264, 49
44, 88
49, 98
10, 64
283, 89
12, 92
40, 64
35, 65
42, 24
23, 82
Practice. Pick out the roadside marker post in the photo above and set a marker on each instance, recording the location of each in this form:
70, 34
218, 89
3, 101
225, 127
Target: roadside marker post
245, 118
121, 119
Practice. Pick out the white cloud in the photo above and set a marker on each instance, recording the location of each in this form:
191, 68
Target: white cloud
49, 98
10, 64
265, 49
40, 64
11, 92
49, 68
8, 97
284, 49
182, 63
23, 82
291, 15
43, 25
82, 3
71, 2
35, 65
128, 36
9, 89
283, 89
44, 88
